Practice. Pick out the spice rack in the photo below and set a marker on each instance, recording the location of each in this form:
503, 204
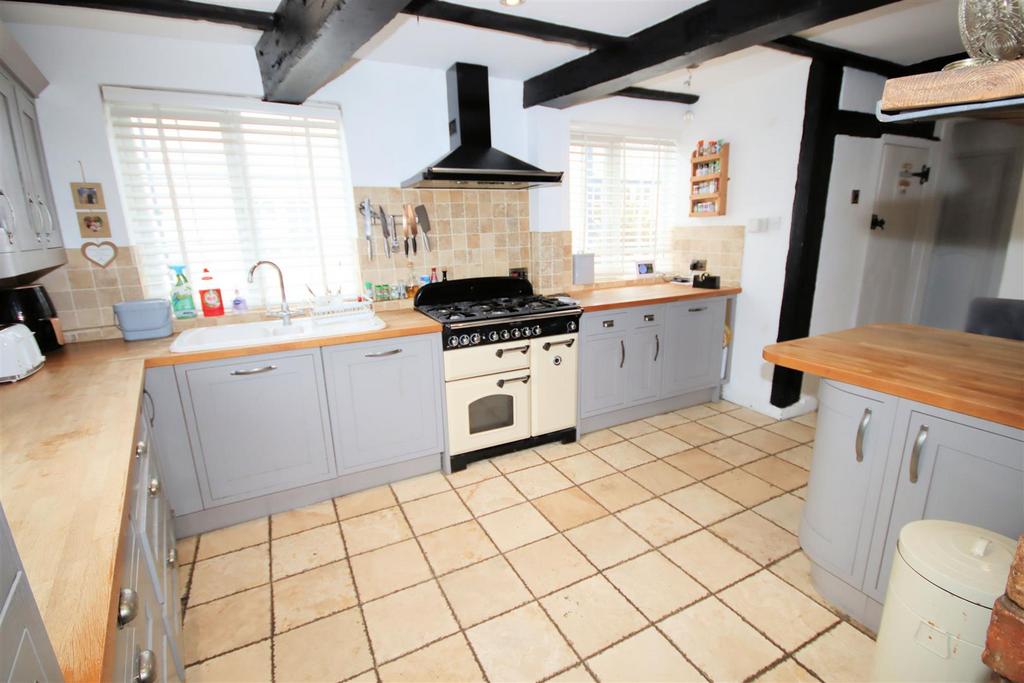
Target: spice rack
709, 179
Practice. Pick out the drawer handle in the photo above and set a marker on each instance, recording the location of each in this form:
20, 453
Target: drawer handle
172, 556
254, 371
608, 323
657, 346
521, 349
382, 354
648, 317
524, 379
152, 406
127, 607
141, 449
154, 486
622, 346
565, 342
145, 664
862, 429
915, 453
698, 309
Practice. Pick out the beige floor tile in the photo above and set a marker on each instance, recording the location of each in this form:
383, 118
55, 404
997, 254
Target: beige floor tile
549, 564
334, 648
186, 549
752, 417
694, 433
301, 519
807, 419
726, 424
420, 487
599, 439
535, 482
786, 672
365, 677
304, 597
758, 538
697, 412
251, 663
616, 492
584, 467
657, 521
388, 569
656, 586
569, 508
404, 621
592, 614
778, 610
226, 624
660, 444
435, 512
484, 590
517, 461
449, 660
784, 511
800, 492
231, 573
624, 455
490, 496
516, 526
800, 456
633, 429
607, 541
474, 472
734, 452
843, 655
577, 674
779, 472
233, 538
305, 550
744, 488
697, 463
184, 576
718, 641
666, 420
709, 560
766, 441
659, 477
723, 406
375, 529
646, 656
362, 502
522, 645
702, 503
457, 546
793, 430
796, 571
557, 451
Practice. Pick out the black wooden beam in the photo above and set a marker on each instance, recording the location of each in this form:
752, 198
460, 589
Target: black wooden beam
176, 9
508, 23
809, 48
658, 95
861, 125
708, 30
313, 41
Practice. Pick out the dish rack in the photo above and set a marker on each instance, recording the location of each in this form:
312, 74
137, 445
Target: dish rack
331, 310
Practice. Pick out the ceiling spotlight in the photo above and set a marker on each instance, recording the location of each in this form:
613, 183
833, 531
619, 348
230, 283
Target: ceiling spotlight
511, 3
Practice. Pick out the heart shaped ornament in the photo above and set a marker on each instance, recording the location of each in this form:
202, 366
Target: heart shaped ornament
100, 253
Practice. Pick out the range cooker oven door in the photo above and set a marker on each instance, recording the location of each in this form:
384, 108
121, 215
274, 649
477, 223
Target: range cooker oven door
487, 411
553, 364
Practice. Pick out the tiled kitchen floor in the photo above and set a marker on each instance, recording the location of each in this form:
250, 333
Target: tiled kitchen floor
630, 556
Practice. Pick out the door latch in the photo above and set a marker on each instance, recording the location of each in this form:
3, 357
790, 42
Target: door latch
923, 175
877, 222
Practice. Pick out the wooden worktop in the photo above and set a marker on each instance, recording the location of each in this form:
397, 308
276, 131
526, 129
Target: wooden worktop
966, 373
68, 435
641, 295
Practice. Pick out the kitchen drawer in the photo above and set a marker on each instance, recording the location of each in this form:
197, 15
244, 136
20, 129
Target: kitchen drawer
487, 360
646, 316
602, 322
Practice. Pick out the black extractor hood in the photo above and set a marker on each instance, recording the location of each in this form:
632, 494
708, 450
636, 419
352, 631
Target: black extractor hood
473, 164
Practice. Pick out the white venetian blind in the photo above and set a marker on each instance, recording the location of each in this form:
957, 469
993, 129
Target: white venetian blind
220, 183
622, 189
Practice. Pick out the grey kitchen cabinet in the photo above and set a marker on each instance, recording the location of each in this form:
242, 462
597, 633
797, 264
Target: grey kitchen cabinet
34, 176
257, 424
602, 369
163, 409
644, 363
15, 232
385, 400
693, 345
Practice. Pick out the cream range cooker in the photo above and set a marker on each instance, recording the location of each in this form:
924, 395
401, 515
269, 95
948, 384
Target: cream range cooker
510, 365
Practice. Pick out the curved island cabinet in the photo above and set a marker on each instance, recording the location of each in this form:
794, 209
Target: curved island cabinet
913, 423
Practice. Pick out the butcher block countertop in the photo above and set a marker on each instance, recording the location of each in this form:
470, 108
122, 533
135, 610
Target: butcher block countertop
641, 295
967, 373
66, 459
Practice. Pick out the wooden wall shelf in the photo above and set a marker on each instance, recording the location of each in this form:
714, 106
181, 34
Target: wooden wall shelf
700, 197
971, 85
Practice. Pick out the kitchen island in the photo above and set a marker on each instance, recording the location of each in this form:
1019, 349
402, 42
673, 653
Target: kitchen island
913, 423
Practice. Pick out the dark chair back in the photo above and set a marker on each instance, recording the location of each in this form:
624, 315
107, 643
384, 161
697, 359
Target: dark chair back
997, 317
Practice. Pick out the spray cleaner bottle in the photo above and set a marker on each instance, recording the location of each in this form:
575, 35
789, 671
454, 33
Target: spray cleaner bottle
181, 294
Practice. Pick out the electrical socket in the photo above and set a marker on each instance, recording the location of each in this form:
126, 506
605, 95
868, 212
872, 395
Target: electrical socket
699, 264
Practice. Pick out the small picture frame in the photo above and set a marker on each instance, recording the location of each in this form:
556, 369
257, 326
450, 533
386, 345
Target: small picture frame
644, 269
93, 224
88, 196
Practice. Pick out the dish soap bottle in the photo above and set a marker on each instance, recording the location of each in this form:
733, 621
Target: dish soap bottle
181, 295
210, 298
238, 304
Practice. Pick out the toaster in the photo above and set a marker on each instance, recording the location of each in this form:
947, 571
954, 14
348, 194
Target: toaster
19, 353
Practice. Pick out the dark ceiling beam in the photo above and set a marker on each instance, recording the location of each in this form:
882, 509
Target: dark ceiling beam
175, 9
658, 95
313, 41
930, 65
508, 23
809, 48
862, 125
711, 29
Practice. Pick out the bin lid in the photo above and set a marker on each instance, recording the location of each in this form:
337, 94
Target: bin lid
967, 561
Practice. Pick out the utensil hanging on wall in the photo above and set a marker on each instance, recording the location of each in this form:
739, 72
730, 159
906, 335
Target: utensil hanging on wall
410, 219
386, 231
366, 209
424, 222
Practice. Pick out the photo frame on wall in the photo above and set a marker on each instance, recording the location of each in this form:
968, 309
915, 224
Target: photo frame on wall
88, 196
93, 224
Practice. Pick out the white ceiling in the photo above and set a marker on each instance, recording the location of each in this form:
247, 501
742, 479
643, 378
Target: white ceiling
615, 17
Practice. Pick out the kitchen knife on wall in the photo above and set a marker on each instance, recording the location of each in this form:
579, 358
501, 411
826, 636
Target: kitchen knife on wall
405, 234
366, 208
424, 220
386, 230
410, 219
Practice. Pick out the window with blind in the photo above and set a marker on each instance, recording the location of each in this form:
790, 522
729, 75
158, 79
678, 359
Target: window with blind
220, 183
622, 190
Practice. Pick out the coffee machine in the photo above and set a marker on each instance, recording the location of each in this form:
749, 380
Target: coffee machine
31, 306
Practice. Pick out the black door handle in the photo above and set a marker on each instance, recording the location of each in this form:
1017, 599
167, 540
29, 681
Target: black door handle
877, 222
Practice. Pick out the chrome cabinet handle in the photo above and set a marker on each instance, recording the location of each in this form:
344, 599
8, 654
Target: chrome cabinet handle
521, 349
254, 371
172, 556
49, 218
698, 309
152, 406
127, 607
145, 665
657, 346
622, 346
915, 453
154, 486
382, 354
648, 317
608, 323
32, 208
524, 379
141, 448
862, 429
565, 342
14, 218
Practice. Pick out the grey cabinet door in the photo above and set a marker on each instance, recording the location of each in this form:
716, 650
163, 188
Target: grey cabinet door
693, 345
644, 361
257, 424
385, 399
842, 494
950, 460
35, 175
16, 232
169, 435
602, 373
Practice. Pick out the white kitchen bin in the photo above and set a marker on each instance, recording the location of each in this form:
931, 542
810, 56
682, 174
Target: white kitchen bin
945, 578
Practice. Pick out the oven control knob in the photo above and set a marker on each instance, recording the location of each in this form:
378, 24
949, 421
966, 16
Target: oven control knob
493, 336
475, 338
453, 341
571, 326
516, 333
464, 340
536, 330
504, 335
527, 331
